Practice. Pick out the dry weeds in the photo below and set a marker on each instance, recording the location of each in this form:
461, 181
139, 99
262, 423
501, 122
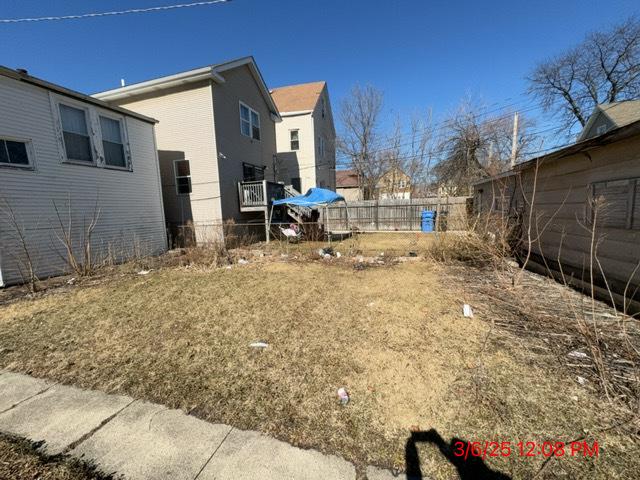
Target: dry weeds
19, 460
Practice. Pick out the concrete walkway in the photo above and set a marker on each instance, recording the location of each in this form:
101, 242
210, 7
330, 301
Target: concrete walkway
142, 440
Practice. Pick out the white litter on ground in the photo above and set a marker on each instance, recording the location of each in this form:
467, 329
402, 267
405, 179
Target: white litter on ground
577, 354
144, 272
343, 395
259, 345
242, 261
467, 311
582, 380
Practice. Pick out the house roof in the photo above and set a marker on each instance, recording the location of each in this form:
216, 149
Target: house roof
212, 72
346, 179
298, 98
619, 113
23, 76
616, 135
612, 136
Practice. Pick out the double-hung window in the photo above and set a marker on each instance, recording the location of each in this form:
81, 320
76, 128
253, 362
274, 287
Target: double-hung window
249, 122
182, 172
295, 139
75, 131
14, 153
113, 142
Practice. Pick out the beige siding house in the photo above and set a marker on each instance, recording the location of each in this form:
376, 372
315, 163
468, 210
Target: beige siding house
591, 186
306, 137
62, 150
348, 186
216, 142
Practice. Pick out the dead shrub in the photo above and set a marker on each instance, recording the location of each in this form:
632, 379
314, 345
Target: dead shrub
487, 242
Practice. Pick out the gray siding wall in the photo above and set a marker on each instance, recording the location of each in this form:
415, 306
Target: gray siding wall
129, 202
323, 127
562, 202
235, 147
561, 227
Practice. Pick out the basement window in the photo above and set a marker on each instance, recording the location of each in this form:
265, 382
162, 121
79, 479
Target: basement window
14, 153
182, 172
616, 204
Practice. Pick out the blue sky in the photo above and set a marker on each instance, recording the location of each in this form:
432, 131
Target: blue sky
421, 53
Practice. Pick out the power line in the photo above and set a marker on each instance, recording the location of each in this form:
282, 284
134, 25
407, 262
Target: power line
114, 13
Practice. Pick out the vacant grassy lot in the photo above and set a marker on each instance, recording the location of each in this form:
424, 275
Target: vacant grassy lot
394, 336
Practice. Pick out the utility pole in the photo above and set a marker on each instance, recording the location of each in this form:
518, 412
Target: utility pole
514, 141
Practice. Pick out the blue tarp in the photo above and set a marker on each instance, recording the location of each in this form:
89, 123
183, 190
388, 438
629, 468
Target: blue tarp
315, 197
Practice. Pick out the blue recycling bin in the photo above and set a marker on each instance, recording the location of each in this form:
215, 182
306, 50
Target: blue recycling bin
428, 220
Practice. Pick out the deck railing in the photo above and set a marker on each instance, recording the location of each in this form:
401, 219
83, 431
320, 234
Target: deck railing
259, 193
252, 194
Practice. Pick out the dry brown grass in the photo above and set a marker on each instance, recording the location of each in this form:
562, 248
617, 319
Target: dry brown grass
19, 460
393, 336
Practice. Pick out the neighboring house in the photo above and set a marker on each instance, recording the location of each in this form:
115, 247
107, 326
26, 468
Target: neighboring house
216, 143
306, 137
394, 184
591, 186
68, 160
348, 186
608, 116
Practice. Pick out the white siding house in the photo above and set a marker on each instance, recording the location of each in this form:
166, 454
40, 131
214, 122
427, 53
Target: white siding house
306, 137
66, 160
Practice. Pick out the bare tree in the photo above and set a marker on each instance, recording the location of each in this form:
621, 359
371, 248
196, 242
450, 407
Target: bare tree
473, 148
67, 234
604, 68
360, 114
409, 153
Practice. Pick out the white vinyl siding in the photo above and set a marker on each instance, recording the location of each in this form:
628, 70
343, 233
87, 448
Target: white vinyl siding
130, 203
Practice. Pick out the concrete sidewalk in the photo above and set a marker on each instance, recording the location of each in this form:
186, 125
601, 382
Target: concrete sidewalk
142, 440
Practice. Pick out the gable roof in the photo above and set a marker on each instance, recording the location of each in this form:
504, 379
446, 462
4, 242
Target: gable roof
298, 98
618, 113
23, 76
346, 179
213, 72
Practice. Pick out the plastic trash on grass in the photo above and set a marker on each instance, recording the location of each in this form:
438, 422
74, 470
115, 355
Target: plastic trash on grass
343, 395
467, 311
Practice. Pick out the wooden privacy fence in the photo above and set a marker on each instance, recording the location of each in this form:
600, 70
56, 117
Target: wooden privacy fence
396, 214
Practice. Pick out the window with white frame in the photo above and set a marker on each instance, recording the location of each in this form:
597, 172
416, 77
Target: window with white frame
321, 146
295, 139
249, 122
113, 142
75, 131
616, 204
14, 153
182, 172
